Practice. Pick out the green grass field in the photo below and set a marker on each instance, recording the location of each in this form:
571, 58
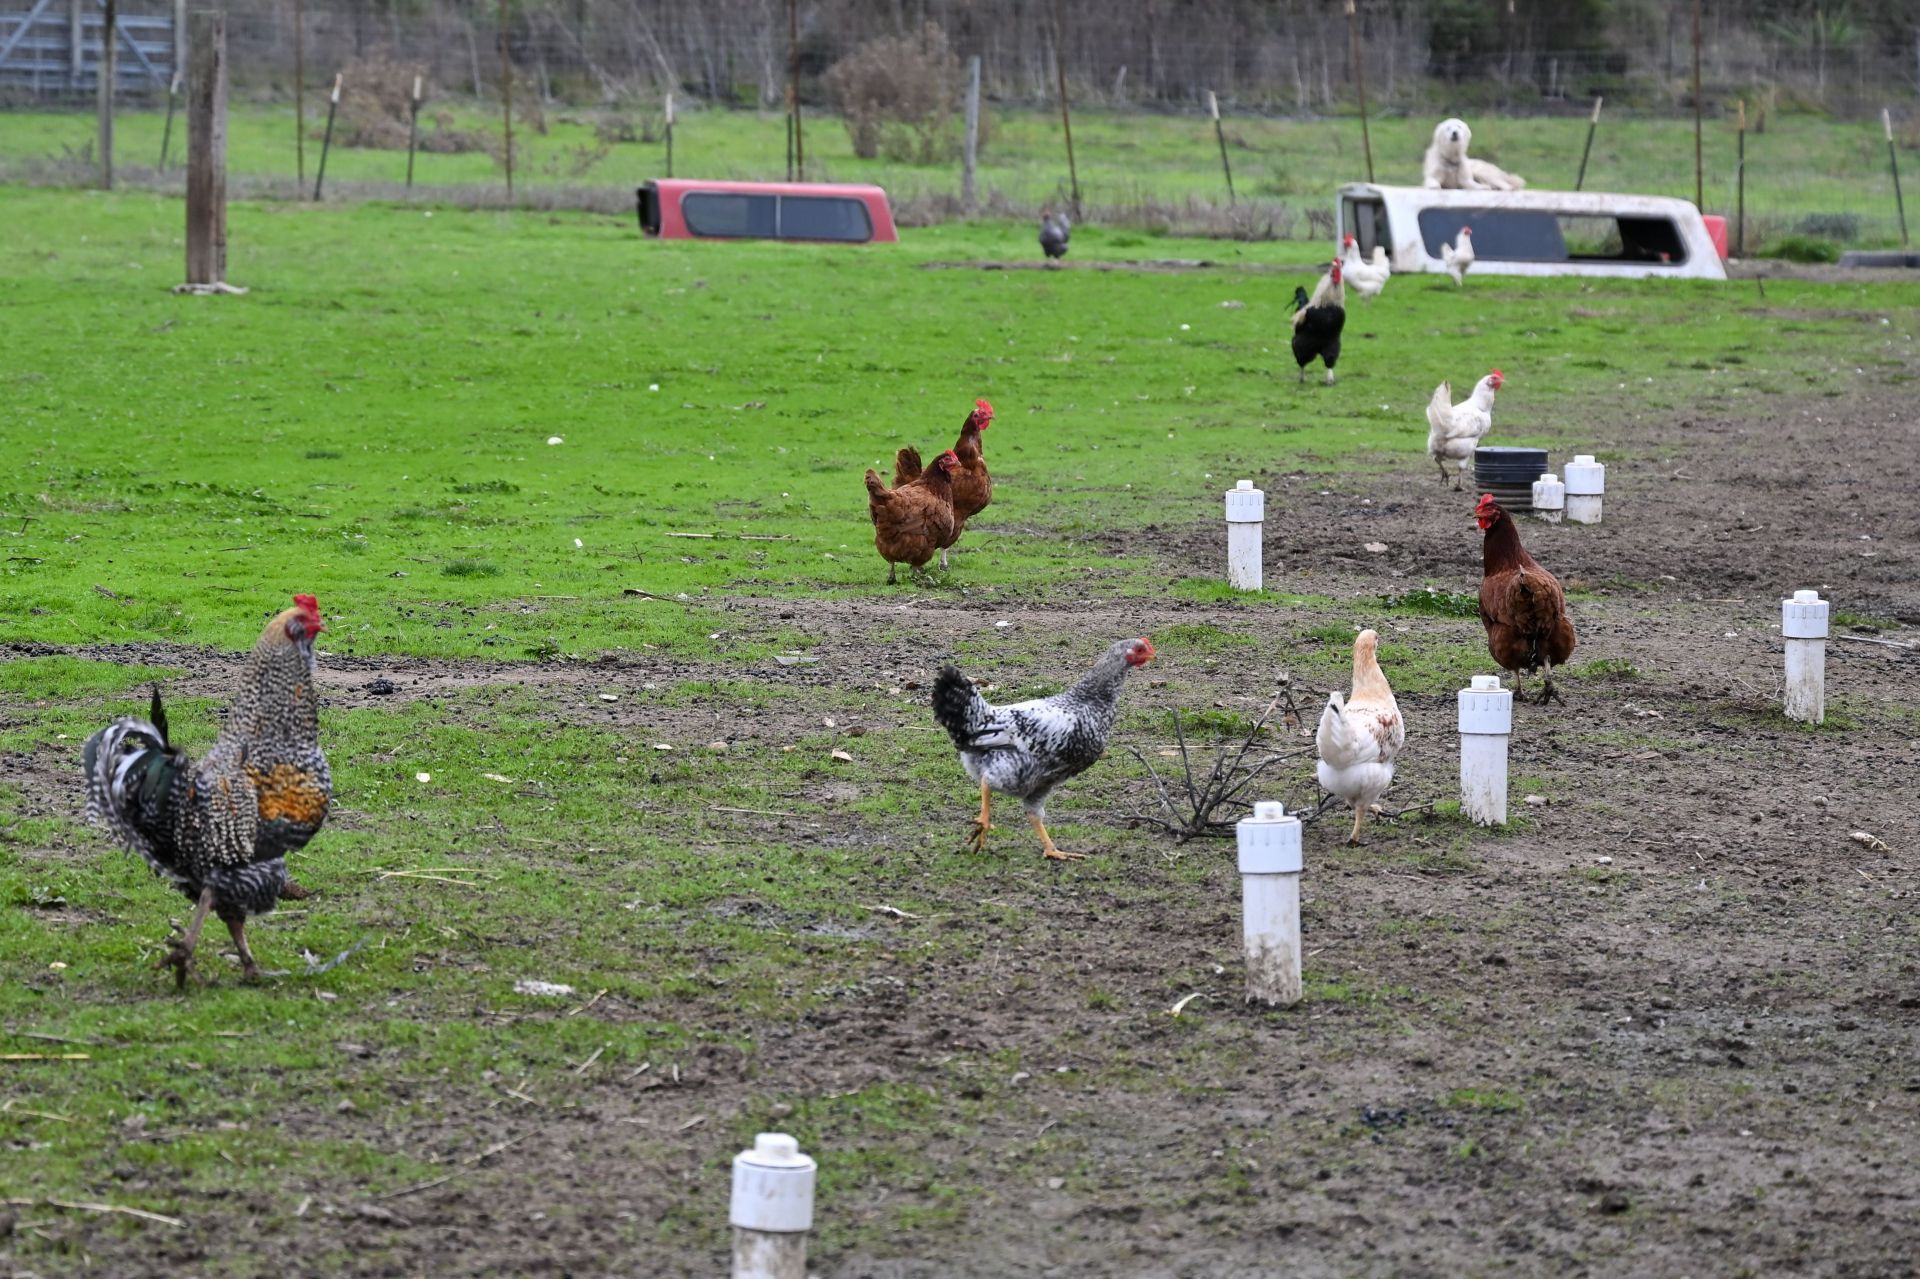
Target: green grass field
1802, 166
372, 423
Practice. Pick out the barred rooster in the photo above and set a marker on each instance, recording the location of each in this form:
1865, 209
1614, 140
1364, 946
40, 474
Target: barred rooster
219, 830
1028, 748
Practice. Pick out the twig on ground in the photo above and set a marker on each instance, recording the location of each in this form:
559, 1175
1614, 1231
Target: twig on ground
1884, 643
45, 1057
459, 1171
891, 910
575, 1012
121, 1209
586, 1065
1225, 786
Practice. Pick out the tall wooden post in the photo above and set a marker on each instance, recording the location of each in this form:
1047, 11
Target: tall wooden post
76, 64
107, 71
413, 129
669, 118
1740, 186
506, 94
1893, 162
179, 41
1593, 123
1699, 179
1066, 116
793, 89
1220, 136
300, 93
1360, 83
971, 155
207, 149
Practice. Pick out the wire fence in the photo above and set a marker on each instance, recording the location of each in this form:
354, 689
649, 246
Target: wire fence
590, 81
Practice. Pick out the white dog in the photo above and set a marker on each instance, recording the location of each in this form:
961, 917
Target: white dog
1447, 164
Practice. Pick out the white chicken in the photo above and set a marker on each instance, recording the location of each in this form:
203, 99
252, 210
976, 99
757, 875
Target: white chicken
1360, 737
1454, 430
1367, 275
1458, 256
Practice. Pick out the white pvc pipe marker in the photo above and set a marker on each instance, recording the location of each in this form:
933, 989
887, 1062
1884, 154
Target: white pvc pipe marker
1803, 621
1586, 483
1270, 904
772, 1209
1486, 722
1246, 515
1549, 498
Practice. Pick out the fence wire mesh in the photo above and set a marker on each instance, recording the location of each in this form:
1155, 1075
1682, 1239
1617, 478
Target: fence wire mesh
590, 79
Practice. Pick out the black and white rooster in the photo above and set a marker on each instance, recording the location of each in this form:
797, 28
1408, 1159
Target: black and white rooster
1317, 322
1054, 230
1026, 749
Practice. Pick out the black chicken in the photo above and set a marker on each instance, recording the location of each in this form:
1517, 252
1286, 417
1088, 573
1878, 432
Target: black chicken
1317, 322
1054, 230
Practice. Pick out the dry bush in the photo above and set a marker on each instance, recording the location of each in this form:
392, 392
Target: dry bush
900, 97
375, 97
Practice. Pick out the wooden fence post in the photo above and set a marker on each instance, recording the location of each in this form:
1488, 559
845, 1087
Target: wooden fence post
1066, 117
299, 96
107, 70
971, 155
506, 94
76, 62
207, 151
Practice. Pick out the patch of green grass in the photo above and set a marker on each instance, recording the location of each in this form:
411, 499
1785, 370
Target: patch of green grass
1493, 1100
470, 568
1606, 668
1433, 601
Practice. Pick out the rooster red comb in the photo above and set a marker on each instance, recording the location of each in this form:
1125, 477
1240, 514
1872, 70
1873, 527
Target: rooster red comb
309, 605
951, 459
1498, 378
983, 411
1485, 504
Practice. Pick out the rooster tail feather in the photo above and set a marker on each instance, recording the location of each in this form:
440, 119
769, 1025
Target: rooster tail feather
958, 707
1333, 742
129, 771
906, 466
158, 714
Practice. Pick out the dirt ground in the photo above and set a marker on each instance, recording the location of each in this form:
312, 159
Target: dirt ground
1669, 1025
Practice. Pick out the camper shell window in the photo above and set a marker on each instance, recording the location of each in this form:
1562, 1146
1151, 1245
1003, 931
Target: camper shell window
1518, 235
785, 217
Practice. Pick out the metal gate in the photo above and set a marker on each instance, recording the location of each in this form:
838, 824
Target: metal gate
53, 48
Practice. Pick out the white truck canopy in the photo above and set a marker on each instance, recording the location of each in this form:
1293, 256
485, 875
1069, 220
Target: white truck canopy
1533, 232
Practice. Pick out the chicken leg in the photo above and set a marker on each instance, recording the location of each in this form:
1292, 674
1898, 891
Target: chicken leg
1359, 819
977, 842
943, 559
179, 956
249, 969
892, 569
1547, 694
1046, 842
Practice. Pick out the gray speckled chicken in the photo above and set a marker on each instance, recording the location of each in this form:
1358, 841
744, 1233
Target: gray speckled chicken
220, 829
1028, 748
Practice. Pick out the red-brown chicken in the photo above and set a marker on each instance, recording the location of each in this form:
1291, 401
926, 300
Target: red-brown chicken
912, 521
972, 486
1521, 604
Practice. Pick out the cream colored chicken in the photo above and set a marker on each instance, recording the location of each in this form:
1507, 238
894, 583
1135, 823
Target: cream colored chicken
1367, 275
1360, 736
1458, 256
1454, 430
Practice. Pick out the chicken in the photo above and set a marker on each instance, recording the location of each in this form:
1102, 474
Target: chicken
1028, 748
1054, 232
914, 520
1521, 604
1367, 276
1458, 256
1360, 737
220, 830
972, 486
1317, 322
1454, 430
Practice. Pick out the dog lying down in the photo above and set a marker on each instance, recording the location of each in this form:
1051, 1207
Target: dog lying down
1449, 167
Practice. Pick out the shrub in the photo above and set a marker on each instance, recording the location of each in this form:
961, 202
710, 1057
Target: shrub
900, 97
1802, 248
375, 95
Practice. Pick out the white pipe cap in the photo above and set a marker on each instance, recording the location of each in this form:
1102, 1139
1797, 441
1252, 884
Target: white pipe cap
1269, 841
1246, 504
1804, 616
773, 1186
1486, 708
1586, 477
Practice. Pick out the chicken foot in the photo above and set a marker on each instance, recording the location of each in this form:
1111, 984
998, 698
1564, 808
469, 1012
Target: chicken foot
1548, 695
179, 956
1046, 842
977, 841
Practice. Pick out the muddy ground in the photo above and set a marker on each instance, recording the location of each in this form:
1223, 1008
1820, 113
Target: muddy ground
1670, 1024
